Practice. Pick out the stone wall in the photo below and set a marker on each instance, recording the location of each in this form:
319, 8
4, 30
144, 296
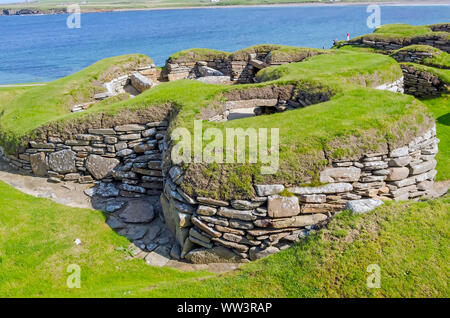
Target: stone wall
422, 84
411, 56
190, 69
133, 160
242, 230
127, 154
390, 46
443, 27
241, 68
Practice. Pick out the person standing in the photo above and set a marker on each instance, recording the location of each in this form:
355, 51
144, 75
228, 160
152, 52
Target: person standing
348, 36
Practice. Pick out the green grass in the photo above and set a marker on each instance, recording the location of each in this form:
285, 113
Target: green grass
440, 107
409, 241
37, 244
443, 74
402, 34
9, 93
439, 59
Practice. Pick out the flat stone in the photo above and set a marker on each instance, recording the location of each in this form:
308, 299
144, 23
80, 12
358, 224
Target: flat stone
279, 206
136, 232
106, 190
350, 174
114, 223
132, 188
363, 206
113, 205
175, 173
217, 254
141, 148
236, 246
313, 198
101, 131
268, 189
100, 167
196, 234
425, 185
205, 228
258, 253
423, 167
137, 212
399, 152
130, 137
244, 215
210, 201
129, 127
62, 161
206, 210
321, 207
155, 259
396, 174
149, 132
38, 163
326, 189
243, 225
245, 205
400, 161
292, 222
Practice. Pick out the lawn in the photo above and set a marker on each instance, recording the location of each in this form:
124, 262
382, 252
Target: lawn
409, 241
37, 245
440, 107
8, 93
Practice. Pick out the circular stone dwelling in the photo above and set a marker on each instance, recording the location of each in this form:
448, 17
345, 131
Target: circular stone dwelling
343, 135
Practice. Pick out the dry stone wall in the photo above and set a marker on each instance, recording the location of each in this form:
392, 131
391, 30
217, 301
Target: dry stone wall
240, 68
127, 154
390, 46
422, 84
135, 161
241, 230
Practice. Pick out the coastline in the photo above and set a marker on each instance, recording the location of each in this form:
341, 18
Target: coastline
62, 10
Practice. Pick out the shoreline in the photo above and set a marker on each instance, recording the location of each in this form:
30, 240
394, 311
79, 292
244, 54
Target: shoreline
61, 10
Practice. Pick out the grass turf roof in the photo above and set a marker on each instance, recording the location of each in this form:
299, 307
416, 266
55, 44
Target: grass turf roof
439, 59
402, 33
356, 119
279, 53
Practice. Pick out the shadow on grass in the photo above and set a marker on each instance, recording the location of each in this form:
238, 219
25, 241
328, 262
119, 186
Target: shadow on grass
444, 119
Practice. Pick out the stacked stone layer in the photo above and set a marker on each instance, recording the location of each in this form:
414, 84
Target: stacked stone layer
422, 84
262, 225
390, 46
129, 154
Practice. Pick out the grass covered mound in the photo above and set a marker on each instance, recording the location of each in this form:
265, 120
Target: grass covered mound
356, 118
404, 34
37, 244
437, 59
279, 53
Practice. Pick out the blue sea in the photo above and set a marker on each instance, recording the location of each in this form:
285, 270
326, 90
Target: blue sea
42, 48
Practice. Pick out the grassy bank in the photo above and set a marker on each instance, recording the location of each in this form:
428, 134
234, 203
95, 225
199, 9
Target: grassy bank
440, 107
409, 241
